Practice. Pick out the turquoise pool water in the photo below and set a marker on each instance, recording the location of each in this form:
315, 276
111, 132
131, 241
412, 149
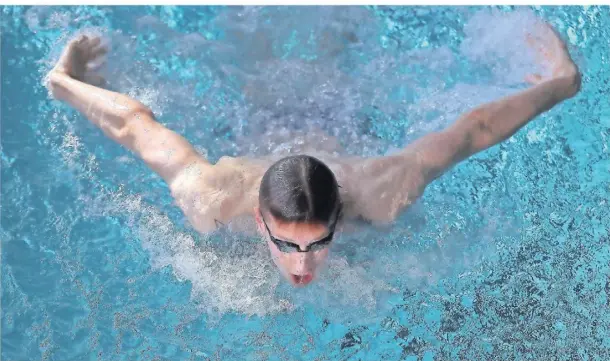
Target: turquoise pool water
506, 257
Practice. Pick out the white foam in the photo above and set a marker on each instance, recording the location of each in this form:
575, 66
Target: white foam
230, 273
498, 40
70, 147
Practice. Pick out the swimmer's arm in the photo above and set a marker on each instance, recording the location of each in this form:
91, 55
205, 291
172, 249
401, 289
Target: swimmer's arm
490, 124
493, 123
129, 123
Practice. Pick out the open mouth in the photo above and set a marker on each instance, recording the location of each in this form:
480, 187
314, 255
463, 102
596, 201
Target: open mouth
301, 280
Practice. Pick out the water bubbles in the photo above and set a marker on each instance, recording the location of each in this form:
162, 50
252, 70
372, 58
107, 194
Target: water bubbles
70, 148
514, 59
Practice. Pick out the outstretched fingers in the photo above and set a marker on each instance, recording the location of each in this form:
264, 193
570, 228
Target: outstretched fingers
100, 50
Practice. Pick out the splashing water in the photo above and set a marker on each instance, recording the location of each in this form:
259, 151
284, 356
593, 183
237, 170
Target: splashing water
97, 231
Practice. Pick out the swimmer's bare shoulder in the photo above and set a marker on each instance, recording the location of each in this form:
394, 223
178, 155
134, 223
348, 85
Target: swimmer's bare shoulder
377, 189
211, 195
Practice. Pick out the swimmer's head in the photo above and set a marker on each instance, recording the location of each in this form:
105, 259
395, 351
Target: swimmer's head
299, 207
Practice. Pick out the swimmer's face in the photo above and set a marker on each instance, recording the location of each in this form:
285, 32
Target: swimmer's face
299, 268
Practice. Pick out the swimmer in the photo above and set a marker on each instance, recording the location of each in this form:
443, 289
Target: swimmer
298, 202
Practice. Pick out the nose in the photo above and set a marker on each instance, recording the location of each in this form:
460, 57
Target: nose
303, 263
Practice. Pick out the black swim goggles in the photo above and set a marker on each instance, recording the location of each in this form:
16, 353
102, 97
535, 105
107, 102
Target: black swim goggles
289, 247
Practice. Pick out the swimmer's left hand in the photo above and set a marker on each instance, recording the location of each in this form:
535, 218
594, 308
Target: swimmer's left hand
553, 53
81, 60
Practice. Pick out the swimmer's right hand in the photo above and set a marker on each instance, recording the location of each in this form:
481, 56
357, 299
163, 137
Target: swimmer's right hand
553, 53
81, 59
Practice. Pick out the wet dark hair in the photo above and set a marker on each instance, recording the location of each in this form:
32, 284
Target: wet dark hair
300, 189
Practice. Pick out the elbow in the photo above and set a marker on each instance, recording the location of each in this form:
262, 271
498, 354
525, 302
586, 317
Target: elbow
134, 118
480, 138
480, 122
478, 134
141, 111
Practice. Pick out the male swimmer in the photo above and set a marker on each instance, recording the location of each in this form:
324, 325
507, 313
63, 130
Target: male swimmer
297, 201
